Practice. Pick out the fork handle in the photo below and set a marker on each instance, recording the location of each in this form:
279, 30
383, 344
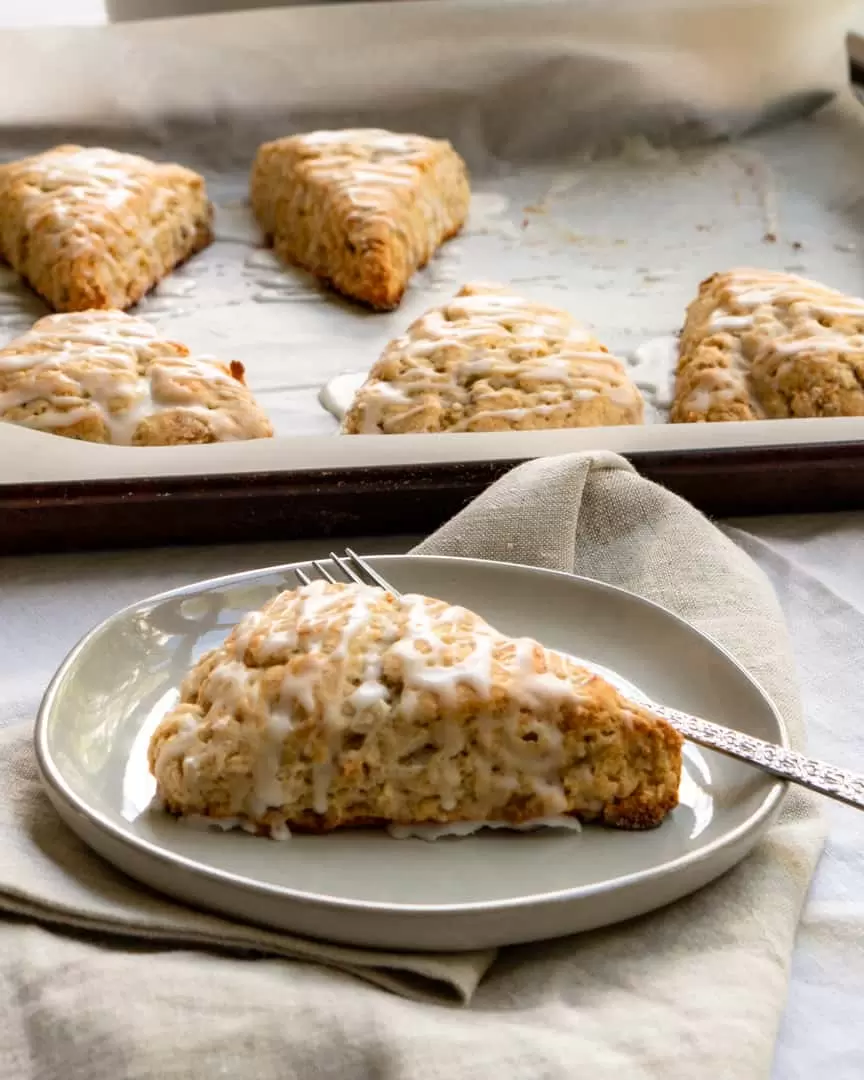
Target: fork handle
841, 784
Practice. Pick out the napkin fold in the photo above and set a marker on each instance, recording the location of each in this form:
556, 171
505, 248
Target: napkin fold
111, 980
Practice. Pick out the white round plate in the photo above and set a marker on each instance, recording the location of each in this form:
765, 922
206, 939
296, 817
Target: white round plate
363, 887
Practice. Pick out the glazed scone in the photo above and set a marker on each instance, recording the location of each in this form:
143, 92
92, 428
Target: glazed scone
362, 209
763, 345
490, 360
92, 228
107, 377
343, 705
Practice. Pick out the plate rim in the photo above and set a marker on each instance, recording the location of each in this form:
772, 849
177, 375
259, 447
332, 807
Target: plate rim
58, 789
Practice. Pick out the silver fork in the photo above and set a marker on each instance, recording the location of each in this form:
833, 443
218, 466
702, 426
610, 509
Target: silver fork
344, 562
841, 784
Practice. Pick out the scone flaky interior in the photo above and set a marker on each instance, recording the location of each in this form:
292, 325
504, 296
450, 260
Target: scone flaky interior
103, 376
490, 360
362, 209
763, 345
340, 705
93, 228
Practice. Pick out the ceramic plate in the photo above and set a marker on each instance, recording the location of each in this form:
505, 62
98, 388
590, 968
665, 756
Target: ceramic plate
364, 887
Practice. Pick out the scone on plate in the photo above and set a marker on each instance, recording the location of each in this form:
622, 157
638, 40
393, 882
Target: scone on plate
763, 345
362, 209
106, 377
343, 705
93, 228
490, 360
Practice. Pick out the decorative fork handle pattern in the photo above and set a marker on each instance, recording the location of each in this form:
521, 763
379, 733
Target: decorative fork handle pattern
841, 784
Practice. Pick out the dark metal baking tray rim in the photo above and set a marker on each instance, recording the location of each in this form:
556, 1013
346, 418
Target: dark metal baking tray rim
394, 499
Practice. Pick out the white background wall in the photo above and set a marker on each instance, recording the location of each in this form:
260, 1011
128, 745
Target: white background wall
42, 12
90, 12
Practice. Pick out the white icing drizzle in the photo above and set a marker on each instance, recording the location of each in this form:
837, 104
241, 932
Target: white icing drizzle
720, 321
429, 833
76, 202
653, 369
437, 649
374, 174
77, 188
365, 164
114, 370
468, 828
829, 343
182, 742
751, 289
228, 824
490, 356
772, 315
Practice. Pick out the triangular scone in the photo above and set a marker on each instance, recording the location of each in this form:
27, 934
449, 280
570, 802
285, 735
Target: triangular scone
92, 228
362, 209
339, 705
490, 360
763, 345
106, 377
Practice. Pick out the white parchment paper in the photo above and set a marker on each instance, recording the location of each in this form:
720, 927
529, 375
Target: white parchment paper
594, 187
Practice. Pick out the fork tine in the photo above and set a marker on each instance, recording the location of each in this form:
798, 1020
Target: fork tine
347, 569
323, 571
344, 563
367, 569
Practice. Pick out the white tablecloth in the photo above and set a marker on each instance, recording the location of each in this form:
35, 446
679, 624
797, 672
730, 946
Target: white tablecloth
817, 566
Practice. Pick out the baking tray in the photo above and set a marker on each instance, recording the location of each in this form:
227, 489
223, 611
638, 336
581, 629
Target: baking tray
619, 230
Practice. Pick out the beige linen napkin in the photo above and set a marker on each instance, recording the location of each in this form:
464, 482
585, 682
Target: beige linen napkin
105, 980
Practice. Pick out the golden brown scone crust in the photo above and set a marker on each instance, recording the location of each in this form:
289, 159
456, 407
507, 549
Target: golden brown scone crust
362, 209
339, 705
92, 228
490, 360
103, 376
763, 345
